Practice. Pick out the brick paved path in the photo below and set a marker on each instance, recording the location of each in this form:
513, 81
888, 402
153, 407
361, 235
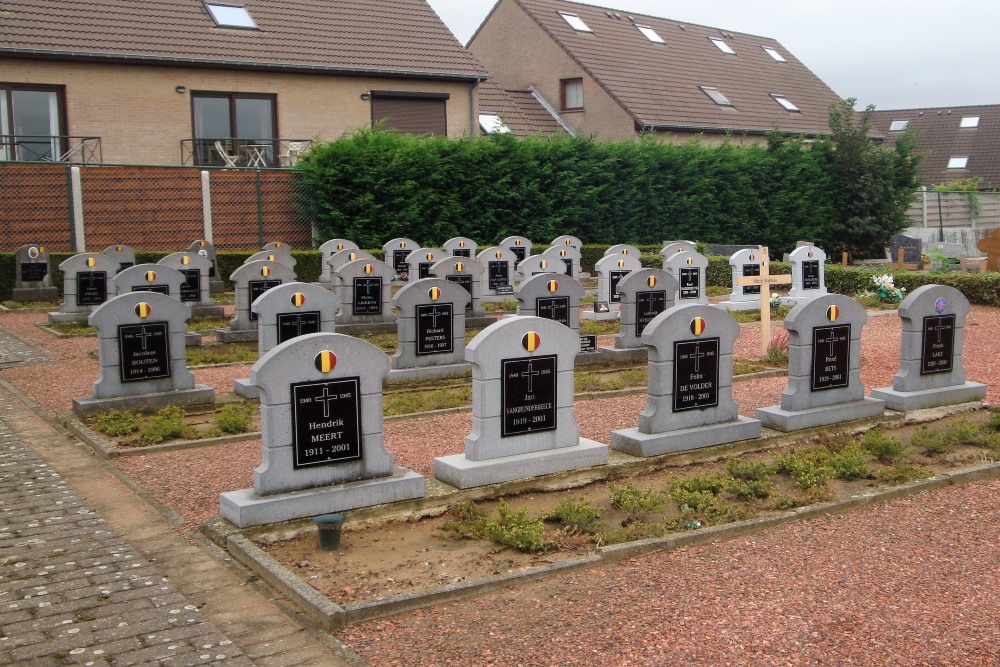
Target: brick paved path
14, 351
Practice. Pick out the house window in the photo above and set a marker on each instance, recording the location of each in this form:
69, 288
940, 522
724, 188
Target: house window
245, 124
411, 113
774, 54
716, 95
958, 162
969, 121
230, 16
725, 48
572, 94
650, 34
575, 22
786, 103
32, 121
898, 125
491, 123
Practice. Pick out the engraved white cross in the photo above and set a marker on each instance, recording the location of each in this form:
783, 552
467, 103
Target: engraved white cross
325, 397
941, 326
143, 335
530, 374
698, 354
831, 339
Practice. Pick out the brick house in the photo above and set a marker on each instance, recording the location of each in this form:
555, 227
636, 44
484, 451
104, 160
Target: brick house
617, 74
206, 82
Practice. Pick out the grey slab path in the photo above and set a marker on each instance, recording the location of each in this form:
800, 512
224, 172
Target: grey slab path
15, 351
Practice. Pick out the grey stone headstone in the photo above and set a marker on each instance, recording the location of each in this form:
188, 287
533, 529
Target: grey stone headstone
273, 255
522, 407
519, 246
327, 250
88, 281
931, 372
951, 251
911, 246
32, 278
196, 290
150, 278
430, 324
611, 270
808, 273
497, 262
623, 249
566, 240
122, 254
689, 269
690, 387
420, 261
725, 249
341, 257
534, 265
568, 255
279, 246
207, 250
465, 272
745, 263
672, 247
251, 280
364, 287
461, 246
824, 367
645, 294
396, 251
553, 297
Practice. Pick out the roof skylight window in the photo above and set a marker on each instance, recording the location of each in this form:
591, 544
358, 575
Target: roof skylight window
774, 54
650, 34
725, 48
717, 96
230, 16
898, 125
492, 123
958, 162
969, 121
786, 103
575, 22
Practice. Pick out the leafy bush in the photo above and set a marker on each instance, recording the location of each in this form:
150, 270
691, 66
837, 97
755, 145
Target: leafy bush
962, 432
577, 513
930, 442
750, 489
848, 462
118, 422
902, 472
809, 469
993, 423
748, 470
235, 417
637, 530
516, 529
168, 424
634, 501
884, 448
467, 521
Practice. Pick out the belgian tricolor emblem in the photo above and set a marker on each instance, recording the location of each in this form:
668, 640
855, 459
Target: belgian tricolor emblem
690, 261
202, 244
326, 361
91, 261
621, 263
543, 265
568, 242
563, 253
434, 293
118, 248
143, 309
402, 245
460, 267
272, 258
553, 286
624, 251
298, 299
369, 268
265, 271
651, 281
353, 256
498, 254
461, 244
340, 246
531, 341
832, 313
150, 276
277, 245
429, 256
185, 260
698, 326
517, 242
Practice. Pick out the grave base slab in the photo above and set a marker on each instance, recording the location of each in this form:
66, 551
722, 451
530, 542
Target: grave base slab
192, 339
244, 388
599, 317
795, 420
216, 286
88, 407
635, 443
400, 375
245, 508
739, 306
32, 294
58, 317
208, 311
624, 354
231, 336
462, 473
907, 401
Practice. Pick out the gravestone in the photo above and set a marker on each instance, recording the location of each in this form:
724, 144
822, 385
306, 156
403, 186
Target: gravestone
519, 246
32, 281
420, 261
645, 294
991, 246
824, 367
327, 250
195, 291
744, 263
498, 276
430, 330
364, 289
551, 297
123, 255
140, 351
396, 251
763, 280
688, 268
461, 246
690, 387
534, 265
279, 247
623, 249
930, 362
522, 407
726, 249
468, 274
158, 279
321, 434
273, 255
207, 250
670, 248
568, 255
611, 270
952, 253
88, 281
567, 240
341, 257
285, 312
808, 273
912, 248
251, 280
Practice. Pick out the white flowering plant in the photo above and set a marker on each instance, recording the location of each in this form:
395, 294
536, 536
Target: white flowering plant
887, 290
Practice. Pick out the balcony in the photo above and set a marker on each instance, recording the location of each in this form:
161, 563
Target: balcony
253, 153
51, 148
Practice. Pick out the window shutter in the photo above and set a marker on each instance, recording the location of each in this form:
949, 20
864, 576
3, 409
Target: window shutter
411, 115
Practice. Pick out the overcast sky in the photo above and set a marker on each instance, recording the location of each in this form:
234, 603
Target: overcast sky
891, 53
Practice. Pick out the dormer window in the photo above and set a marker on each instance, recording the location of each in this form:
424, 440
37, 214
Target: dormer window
725, 48
575, 22
716, 96
958, 162
969, 121
492, 123
774, 54
898, 125
786, 103
230, 16
650, 34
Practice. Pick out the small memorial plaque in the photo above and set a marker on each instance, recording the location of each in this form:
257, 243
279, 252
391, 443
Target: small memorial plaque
159, 289
367, 296
292, 325
553, 308
749, 271
810, 274
690, 283
647, 306
191, 287
938, 349
424, 270
505, 289
461, 252
399, 264
696, 374
464, 281
569, 267
258, 287
434, 329
91, 288
588, 343
831, 357
499, 275
327, 419
520, 252
144, 350
33, 272
125, 265
528, 395
211, 268
614, 278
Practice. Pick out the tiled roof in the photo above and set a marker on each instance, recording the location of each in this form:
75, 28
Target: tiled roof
940, 137
384, 36
520, 111
660, 84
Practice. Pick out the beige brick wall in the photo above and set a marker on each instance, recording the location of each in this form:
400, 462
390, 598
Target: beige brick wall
141, 119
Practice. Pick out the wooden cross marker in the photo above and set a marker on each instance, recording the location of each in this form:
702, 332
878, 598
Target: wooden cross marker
901, 265
764, 280
991, 246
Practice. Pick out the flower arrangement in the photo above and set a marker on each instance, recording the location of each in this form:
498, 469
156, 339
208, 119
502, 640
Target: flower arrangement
887, 290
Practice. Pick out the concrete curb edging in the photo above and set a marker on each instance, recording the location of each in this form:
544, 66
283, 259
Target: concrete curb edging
106, 449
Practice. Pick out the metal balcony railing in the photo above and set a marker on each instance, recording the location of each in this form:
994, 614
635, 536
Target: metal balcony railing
232, 152
51, 148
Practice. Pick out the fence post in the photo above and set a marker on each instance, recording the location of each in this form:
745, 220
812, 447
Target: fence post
206, 205
260, 212
78, 235
923, 196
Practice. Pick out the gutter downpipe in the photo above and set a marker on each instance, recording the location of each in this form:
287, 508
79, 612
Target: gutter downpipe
473, 121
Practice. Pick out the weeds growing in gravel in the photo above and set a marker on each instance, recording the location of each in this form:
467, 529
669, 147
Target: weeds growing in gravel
635, 501
808, 468
515, 529
638, 530
884, 448
902, 472
577, 514
930, 442
116, 423
167, 424
749, 470
848, 461
235, 417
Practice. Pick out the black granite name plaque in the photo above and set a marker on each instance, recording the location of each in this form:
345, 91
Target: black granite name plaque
367, 296
464, 281
528, 395
191, 287
831, 357
569, 266
648, 305
696, 374
435, 329
293, 325
810, 274
461, 252
326, 422
125, 265
33, 272
938, 348
158, 289
211, 268
553, 308
588, 343
258, 287
614, 278
91, 288
144, 350
399, 264
751, 270
520, 252
498, 274
690, 283
424, 270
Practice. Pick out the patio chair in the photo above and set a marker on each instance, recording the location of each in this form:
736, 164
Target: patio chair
230, 160
293, 152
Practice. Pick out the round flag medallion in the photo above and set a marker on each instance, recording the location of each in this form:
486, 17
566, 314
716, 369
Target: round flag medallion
531, 341
498, 254
568, 242
326, 361
651, 281
543, 265
150, 276
353, 256
277, 245
810, 253
833, 313
118, 248
33, 252
265, 271
459, 266
553, 286
429, 256
621, 263
517, 242
340, 246
91, 261
698, 326
201, 243
185, 260
624, 251
940, 305
690, 261
461, 244
369, 268
402, 245
562, 253
434, 293
298, 299
753, 258
143, 309
272, 258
